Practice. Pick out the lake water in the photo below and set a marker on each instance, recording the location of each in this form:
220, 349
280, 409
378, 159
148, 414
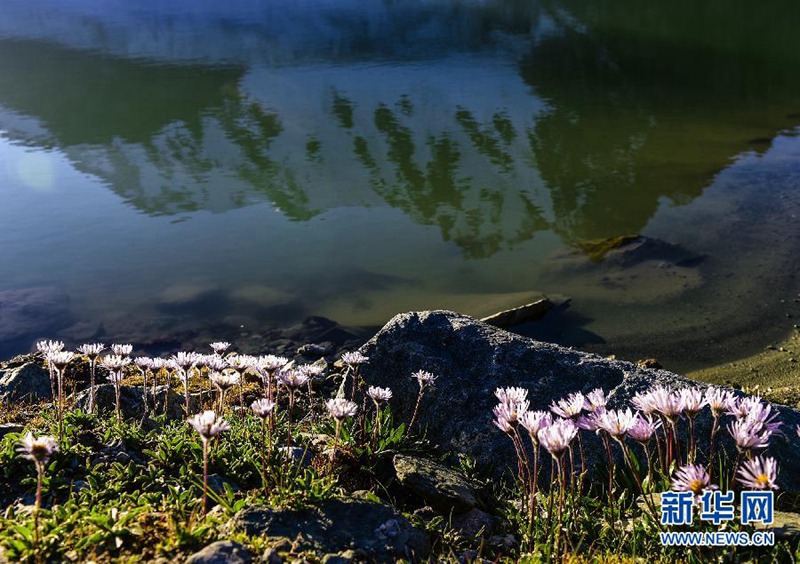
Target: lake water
239, 165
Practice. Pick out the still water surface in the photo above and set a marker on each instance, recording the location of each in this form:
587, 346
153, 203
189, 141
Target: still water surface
248, 163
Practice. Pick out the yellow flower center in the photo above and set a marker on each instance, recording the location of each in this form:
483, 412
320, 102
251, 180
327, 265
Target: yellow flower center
696, 485
762, 480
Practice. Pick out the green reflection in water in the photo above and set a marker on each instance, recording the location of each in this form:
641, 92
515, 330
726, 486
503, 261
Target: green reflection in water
646, 101
653, 99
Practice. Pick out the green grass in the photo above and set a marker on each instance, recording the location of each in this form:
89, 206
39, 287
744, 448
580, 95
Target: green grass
131, 491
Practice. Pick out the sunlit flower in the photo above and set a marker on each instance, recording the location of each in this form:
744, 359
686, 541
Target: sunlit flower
354, 358
512, 395
760, 473
143, 362
293, 379
45, 347
742, 406
224, 381
208, 425
718, 400
643, 429
588, 421
311, 370
749, 434
557, 436
39, 449
616, 422
379, 395
513, 403
60, 359
262, 407
692, 478
595, 400
215, 363
505, 417
535, 421
691, 401
122, 350
666, 402
219, 347
424, 378
762, 415
643, 401
570, 407
271, 362
91, 349
241, 362
115, 362
185, 359
339, 408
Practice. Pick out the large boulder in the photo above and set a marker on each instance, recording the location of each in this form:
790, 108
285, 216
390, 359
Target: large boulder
375, 530
25, 380
472, 359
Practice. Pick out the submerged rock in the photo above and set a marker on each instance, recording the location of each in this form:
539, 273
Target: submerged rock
521, 314
472, 359
32, 312
334, 526
629, 269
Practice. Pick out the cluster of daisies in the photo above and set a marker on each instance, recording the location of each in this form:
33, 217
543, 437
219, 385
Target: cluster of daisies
280, 378
657, 415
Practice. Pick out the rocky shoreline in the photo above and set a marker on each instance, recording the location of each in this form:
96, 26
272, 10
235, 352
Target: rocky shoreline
445, 485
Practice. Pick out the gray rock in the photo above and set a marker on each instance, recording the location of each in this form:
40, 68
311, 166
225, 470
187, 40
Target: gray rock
221, 552
7, 428
786, 525
474, 523
132, 403
313, 350
345, 557
506, 542
297, 455
29, 381
217, 483
271, 556
437, 485
335, 526
472, 359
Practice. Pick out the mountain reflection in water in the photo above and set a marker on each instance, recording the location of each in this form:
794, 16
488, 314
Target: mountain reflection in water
509, 128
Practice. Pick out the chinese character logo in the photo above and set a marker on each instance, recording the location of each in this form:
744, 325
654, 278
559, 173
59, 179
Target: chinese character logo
676, 508
717, 506
757, 507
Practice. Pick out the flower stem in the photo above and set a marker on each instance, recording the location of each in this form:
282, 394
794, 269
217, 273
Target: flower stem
205, 476
92, 363
710, 463
38, 506
264, 454
416, 410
